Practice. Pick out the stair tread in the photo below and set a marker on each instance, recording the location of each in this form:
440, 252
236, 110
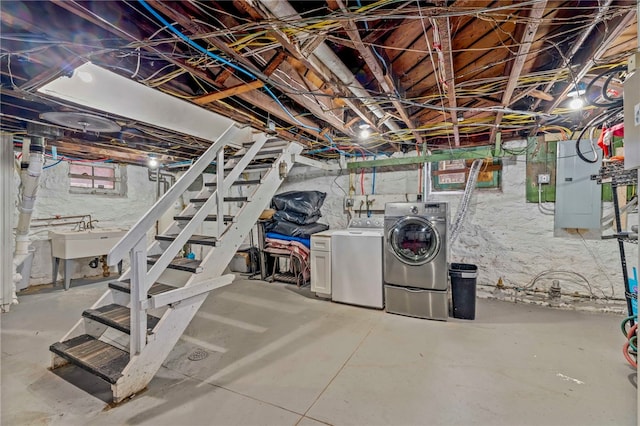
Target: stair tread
179, 263
236, 183
266, 152
259, 166
226, 199
118, 317
205, 240
93, 355
125, 286
209, 218
269, 143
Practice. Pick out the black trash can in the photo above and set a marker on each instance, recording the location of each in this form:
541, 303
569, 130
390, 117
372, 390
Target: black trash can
463, 290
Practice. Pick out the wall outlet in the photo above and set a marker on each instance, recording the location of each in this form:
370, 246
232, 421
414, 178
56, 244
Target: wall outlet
544, 178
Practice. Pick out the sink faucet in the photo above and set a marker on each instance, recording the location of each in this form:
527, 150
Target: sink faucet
91, 222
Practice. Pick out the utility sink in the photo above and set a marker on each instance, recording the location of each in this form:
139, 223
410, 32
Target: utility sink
90, 243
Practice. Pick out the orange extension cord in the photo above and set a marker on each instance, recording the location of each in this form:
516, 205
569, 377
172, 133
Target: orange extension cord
625, 348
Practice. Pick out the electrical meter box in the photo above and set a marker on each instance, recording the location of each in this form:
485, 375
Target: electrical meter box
632, 115
578, 211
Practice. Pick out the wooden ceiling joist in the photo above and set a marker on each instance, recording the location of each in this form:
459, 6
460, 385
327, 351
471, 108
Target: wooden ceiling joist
231, 91
535, 16
384, 80
577, 45
615, 29
444, 32
298, 120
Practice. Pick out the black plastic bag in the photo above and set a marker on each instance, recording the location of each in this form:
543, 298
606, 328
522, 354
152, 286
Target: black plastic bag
294, 230
305, 202
299, 218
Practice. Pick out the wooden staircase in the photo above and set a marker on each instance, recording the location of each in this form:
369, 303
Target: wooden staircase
127, 334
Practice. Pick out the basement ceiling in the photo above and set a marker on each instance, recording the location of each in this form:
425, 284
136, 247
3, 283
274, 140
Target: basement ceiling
420, 75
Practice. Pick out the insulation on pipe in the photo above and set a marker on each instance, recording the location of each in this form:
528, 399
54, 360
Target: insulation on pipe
30, 181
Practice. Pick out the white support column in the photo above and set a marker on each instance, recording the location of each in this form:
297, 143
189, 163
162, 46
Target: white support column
220, 191
138, 337
6, 195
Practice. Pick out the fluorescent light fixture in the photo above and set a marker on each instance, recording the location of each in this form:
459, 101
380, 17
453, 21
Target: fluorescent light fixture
576, 103
95, 87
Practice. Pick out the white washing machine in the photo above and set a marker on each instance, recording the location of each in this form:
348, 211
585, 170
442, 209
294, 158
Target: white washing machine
416, 259
356, 263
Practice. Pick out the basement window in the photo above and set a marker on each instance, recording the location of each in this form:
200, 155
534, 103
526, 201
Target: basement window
103, 179
452, 175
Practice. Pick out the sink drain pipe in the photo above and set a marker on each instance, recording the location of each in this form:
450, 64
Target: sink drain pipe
30, 177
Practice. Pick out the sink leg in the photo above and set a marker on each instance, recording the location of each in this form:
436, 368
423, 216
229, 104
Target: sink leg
67, 274
56, 265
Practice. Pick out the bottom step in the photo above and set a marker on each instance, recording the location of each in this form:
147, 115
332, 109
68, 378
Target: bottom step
93, 355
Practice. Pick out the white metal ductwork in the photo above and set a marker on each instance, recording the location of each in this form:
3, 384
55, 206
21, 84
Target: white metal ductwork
323, 53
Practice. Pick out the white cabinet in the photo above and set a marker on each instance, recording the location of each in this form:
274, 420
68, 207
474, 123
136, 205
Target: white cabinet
321, 263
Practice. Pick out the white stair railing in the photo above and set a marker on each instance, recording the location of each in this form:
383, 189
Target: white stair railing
134, 242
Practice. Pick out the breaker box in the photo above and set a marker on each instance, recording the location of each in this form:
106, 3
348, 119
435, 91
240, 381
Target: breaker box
578, 210
632, 115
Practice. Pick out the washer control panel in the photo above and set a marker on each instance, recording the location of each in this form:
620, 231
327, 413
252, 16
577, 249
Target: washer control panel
427, 209
366, 222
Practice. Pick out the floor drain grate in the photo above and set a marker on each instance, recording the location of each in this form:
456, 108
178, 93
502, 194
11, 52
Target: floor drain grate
198, 355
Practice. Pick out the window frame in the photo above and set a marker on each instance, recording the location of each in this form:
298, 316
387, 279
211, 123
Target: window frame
118, 178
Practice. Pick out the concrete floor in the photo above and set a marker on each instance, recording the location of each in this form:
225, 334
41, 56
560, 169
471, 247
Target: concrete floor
278, 356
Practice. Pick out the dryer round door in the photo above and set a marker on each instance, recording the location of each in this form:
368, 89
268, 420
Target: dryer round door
414, 240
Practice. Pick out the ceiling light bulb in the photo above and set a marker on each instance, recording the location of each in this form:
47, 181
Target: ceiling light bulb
576, 103
85, 76
153, 162
365, 133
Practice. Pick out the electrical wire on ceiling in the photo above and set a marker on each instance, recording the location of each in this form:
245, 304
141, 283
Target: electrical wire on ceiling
234, 66
250, 38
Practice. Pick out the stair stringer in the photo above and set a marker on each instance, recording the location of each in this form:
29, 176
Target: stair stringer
143, 367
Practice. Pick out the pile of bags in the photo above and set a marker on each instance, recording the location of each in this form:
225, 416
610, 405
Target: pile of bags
297, 214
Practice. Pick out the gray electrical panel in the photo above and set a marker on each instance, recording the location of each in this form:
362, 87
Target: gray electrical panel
578, 210
632, 117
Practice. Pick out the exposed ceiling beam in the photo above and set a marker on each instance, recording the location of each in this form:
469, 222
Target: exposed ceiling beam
384, 79
444, 33
294, 50
577, 45
324, 55
76, 146
535, 18
315, 108
231, 91
259, 99
275, 62
616, 29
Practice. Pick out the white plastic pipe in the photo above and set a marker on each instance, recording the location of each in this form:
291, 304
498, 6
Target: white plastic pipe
283, 10
30, 182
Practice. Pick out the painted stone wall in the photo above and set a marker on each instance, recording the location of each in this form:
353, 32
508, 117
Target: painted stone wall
510, 240
53, 199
